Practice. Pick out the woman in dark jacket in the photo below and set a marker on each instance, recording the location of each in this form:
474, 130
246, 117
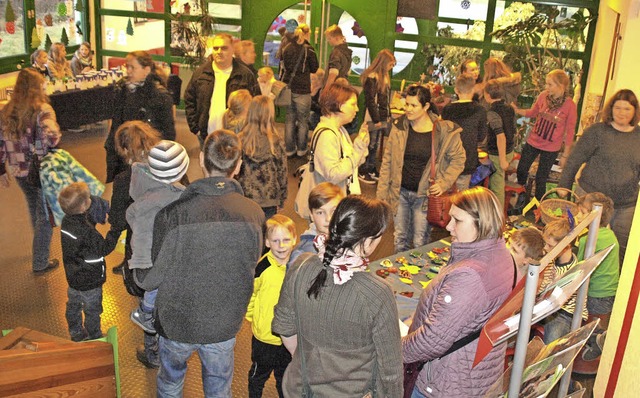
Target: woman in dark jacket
376, 86
143, 95
299, 59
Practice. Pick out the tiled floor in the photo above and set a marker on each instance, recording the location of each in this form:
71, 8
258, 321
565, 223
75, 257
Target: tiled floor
38, 302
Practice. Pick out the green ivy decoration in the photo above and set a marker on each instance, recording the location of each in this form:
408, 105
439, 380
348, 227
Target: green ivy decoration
356, 60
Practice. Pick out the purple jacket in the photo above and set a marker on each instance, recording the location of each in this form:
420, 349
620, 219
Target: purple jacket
458, 302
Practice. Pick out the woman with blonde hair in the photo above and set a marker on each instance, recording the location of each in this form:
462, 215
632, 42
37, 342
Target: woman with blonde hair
57, 63
142, 95
376, 85
263, 174
299, 60
82, 60
443, 336
234, 117
28, 128
556, 115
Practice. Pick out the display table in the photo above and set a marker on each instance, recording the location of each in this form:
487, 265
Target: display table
426, 272
75, 108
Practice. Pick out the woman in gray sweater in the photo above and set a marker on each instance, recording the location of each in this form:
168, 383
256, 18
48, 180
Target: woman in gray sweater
339, 322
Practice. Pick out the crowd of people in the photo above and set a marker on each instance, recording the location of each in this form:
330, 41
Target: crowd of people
209, 253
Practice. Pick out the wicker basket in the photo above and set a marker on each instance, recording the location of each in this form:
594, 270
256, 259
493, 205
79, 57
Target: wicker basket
555, 203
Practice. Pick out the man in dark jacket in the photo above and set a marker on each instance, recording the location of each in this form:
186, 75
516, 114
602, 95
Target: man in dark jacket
204, 100
205, 249
340, 57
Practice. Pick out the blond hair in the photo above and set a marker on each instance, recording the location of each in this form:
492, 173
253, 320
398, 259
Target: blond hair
73, 198
280, 221
530, 240
485, 209
134, 139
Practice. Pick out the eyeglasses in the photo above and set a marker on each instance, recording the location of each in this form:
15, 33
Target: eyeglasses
220, 48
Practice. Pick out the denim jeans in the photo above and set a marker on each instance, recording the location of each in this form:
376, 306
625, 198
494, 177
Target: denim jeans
89, 301
417, 394
149, 300
529, 154
556, 325
296, 128
410, 222
42, 229
217, 367
151, 348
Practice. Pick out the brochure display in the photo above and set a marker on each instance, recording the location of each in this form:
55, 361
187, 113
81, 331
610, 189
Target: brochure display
545, 365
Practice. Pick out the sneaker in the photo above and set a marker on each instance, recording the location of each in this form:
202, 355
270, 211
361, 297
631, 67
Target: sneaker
301, 154
142, 357
51, 265
143, 319
375, 176
366, 178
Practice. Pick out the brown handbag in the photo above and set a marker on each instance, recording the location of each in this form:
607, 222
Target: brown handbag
438, 206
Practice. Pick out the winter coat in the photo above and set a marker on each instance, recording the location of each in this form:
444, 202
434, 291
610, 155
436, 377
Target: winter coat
197, 96
457, 303
151, 103
149, 196
83, 252
301, 83
450, 159
340, 59
263, 175
205, 249
377, 102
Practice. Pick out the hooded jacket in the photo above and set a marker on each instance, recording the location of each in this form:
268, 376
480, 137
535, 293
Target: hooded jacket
263, 175
457, 303
149, 196
450, 159
205, 249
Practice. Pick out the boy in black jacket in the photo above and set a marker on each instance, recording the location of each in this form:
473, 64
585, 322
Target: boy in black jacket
83, 251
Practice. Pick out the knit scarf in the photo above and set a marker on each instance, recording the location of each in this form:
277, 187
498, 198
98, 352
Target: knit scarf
554, 103
344, 266
85, 61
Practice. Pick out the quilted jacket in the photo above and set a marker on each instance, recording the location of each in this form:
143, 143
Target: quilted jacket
456, 303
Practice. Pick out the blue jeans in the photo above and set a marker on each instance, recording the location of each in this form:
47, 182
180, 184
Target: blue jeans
556, 326
217, 367
417, 394
89, 301
149, 300
411, 227
296, 128
42, 229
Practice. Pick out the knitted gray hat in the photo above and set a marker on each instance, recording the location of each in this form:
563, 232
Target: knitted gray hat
168, 161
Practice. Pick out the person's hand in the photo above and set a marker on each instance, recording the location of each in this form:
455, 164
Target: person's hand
562, 193
504, 164
515, 107
562, 162
4, 180
435, 189
362, 141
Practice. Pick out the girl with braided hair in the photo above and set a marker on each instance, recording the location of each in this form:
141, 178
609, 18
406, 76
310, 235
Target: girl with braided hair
340, 323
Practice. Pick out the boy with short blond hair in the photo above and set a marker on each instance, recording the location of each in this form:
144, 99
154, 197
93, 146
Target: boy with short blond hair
558, 324
268, 354
83, 252
526, 245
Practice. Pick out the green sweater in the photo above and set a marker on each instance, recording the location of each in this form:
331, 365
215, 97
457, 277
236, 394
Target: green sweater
604, 280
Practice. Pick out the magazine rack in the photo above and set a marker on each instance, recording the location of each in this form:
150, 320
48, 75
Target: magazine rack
520, 308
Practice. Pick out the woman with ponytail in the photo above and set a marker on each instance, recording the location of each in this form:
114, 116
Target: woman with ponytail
142, 95
340, 322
